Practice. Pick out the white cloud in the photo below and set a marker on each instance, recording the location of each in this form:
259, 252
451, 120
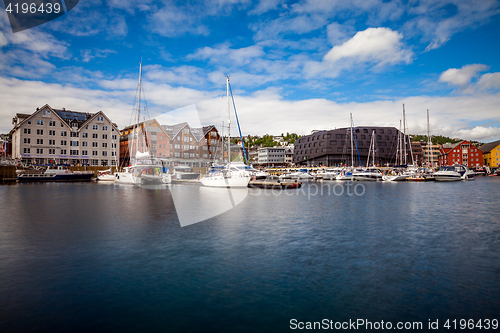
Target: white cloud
338, 33
462, 76
3, 40
88, 55
479, 133
224, 54
439, 20
171, 21
374, 45
264, 6
489, 81
450, 116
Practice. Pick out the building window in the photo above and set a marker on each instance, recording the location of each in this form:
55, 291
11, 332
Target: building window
94, 144
95, 162
39, 132
63, 143
105, 128
94, 136
52, 143
73, 134
113, 137
63, 151
39, 151
85, 152
104, 162
73, 152
27, 131
52, 123
85, 135
94, 153
26, 150
64, 133
95, 127
27, 140
52, 151
39, 141
104, 145
104, 153
105, 136
52, 132
39, 122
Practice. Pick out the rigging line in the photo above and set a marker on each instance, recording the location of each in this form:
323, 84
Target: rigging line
238, 123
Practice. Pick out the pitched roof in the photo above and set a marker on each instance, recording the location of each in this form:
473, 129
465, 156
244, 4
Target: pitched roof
487, 147
70, 117
173, 130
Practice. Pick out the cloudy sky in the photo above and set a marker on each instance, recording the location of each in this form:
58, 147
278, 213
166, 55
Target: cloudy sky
295, 66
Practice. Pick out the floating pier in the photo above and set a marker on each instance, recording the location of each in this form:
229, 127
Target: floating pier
274, 184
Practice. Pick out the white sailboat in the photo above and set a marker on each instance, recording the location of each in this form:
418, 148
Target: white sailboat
371, 173
143, 169
347, 173
229, 175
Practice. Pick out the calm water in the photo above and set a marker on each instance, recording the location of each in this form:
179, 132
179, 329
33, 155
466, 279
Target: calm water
100, 257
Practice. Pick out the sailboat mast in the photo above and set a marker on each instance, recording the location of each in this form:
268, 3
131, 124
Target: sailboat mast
404, 131
352, 146
139, 105
429, 142
400, 146
228, 124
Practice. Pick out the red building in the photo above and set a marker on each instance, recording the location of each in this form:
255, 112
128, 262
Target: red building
462, 153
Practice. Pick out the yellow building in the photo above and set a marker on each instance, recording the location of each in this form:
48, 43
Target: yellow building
491, 154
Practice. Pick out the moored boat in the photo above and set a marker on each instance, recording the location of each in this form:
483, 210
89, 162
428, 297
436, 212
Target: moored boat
453, 173
51, 174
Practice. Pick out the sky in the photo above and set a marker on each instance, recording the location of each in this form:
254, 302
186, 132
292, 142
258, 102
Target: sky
294, 66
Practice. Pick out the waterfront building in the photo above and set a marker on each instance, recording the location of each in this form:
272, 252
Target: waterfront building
194, 146
491, 154
271, 156
5, 146
430, 154
418, 156
156, 138
462, 153
60, 136
289, 154
333, 147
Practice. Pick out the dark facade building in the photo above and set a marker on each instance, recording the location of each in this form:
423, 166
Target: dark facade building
333, 147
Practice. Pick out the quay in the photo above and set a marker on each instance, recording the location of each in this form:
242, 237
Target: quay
274, 184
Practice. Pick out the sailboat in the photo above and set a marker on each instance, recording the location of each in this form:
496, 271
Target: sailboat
228, 175
346, 174
371, 173
143, 169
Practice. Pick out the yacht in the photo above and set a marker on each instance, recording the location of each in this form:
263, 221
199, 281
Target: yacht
229, 175
370, 174
453, 173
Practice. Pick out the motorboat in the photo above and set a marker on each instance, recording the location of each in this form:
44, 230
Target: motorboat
184, 172
229, 176
453, 173
105, 175
370, 174
53, 174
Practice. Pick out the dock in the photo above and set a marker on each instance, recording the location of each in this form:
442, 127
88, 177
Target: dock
275, 184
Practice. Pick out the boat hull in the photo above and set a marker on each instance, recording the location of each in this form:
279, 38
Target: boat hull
85, 177
219, 181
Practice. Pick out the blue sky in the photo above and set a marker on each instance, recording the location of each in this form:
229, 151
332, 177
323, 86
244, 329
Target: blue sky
295, 66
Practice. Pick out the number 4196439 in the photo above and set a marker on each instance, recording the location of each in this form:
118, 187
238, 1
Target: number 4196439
470, 324
32, 8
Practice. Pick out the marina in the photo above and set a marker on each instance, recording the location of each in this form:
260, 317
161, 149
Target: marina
301, 253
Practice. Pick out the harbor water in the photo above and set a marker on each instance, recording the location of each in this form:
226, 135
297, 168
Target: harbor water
92, 257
